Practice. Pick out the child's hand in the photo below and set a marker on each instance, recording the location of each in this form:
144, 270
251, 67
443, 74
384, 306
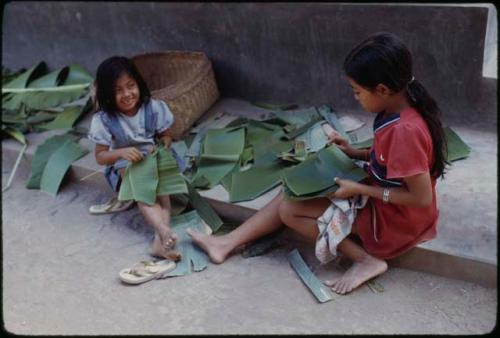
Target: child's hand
335, 137
168, 142
131, 154
347, 188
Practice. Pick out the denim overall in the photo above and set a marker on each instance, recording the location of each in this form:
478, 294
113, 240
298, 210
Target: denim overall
121, 140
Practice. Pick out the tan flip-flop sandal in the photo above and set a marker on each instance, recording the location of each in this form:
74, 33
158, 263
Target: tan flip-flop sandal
146, 271
111, 206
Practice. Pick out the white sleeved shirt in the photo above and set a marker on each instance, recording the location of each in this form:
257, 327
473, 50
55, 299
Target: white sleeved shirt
133, 126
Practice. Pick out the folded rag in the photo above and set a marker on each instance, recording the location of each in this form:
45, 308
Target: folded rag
335, 224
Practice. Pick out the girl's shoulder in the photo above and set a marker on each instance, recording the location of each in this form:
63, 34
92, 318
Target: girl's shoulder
158, 106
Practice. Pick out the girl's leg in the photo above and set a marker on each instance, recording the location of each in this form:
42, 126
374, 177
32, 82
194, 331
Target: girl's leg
301, 216
157, 218
164, 239
265, 221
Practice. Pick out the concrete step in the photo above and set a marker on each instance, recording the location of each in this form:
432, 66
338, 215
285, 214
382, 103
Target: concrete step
466, 246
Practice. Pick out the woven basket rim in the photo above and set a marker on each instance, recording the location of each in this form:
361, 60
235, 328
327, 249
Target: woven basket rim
186, 85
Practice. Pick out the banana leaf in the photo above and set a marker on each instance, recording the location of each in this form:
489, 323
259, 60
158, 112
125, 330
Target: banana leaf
49, 97
297, 117
246, 156
46, 91
289, 195
58, 164
77, 75
52, 79
222, 149
24, 78
193, 259
249, 184
204, 209
40, 117
310, 280
267, 144
156, 175
314, 138
317, 172
41, 157
275, 106
328, 114
15, 133
302, 129
457, 148
140, 181
170, 180
178, 203
64, 120
9, 75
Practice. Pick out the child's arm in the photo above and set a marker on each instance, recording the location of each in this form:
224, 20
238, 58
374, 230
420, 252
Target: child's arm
104, 156
166, 137
417, 193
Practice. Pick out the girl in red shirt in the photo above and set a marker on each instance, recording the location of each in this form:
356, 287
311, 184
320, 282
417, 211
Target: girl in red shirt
407, 156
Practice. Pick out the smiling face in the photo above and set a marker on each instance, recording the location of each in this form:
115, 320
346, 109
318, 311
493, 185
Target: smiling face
371, 100
127, 94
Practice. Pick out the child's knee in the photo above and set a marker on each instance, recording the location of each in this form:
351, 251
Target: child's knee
286, 211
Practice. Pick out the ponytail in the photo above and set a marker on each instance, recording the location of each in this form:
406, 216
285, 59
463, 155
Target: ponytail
420, 99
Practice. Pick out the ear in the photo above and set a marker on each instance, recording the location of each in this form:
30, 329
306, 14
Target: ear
382, 90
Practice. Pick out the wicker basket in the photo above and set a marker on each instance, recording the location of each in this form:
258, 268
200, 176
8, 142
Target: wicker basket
184, 80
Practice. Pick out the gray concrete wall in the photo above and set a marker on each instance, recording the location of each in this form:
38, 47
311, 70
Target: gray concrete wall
281, 52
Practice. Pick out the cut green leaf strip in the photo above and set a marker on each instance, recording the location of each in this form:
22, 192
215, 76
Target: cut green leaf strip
309, 279
204, 209
193, 259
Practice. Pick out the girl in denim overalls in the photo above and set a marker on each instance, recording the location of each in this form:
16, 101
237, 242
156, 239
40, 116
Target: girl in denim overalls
124, 131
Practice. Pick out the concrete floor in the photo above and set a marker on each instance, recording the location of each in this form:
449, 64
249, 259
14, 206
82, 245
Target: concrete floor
60, 277
61, 264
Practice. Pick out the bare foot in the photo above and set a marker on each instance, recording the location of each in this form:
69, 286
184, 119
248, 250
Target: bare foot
159, 250
212, 245
357, 274
168, 238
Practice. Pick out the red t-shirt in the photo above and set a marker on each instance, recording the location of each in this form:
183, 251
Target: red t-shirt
402, 147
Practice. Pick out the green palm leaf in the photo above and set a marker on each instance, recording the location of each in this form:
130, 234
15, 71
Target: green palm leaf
41, 157
64, 120
170, 180
317, 172
58, 164
141, 180
46, 91
24, 78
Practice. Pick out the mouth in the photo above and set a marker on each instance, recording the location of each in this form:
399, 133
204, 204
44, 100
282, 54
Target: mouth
128, 102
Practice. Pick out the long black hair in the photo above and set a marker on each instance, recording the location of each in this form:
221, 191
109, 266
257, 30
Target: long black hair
383, 58
108, 73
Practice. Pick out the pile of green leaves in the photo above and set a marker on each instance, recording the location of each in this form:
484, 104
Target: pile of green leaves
38, 100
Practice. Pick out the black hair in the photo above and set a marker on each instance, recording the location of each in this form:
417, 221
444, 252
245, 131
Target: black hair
108, 73
383, 58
